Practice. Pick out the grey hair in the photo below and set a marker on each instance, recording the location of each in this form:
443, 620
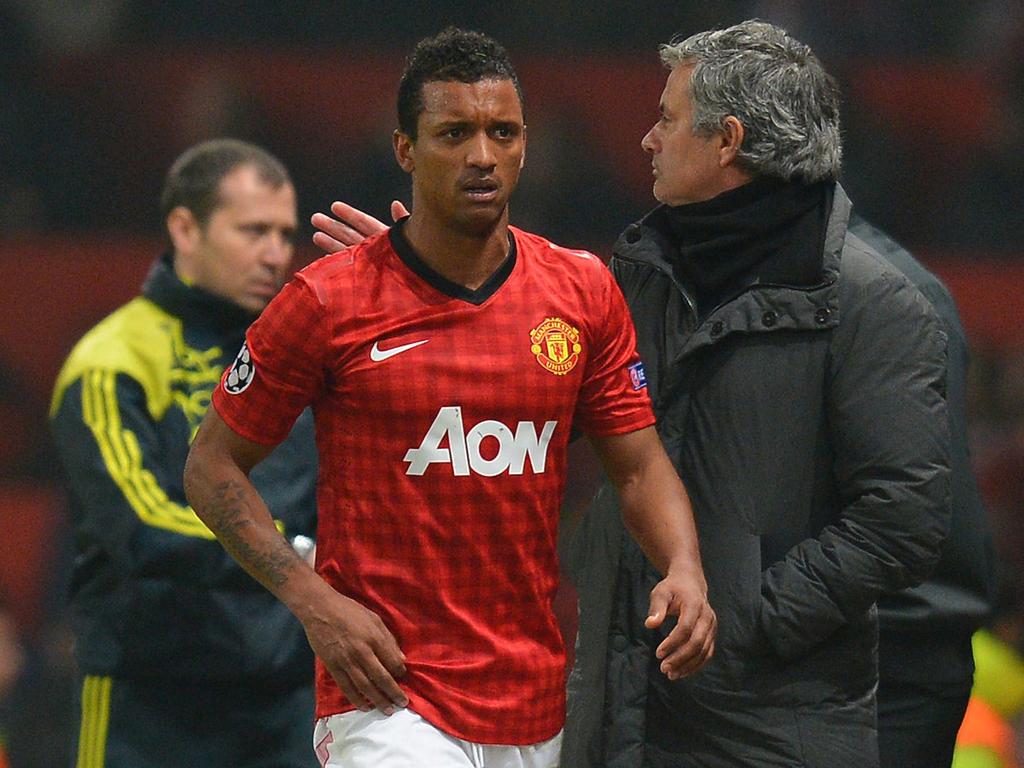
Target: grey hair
776, 87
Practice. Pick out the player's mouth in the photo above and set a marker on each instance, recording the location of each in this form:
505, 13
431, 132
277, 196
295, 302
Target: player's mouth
481, 190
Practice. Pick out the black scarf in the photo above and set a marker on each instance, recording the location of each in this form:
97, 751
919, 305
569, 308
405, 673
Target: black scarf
200, 310
767, 231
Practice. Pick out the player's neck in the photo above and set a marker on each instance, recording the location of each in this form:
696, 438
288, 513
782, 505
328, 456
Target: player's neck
466, 258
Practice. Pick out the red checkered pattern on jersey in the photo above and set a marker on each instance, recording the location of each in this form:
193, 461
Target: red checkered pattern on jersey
442, 425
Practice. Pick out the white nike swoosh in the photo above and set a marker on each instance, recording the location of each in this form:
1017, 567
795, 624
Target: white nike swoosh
378, 355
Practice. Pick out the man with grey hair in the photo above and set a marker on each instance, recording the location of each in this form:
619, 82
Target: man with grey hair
798, 380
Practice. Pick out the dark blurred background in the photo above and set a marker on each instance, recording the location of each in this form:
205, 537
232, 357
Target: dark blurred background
97, 97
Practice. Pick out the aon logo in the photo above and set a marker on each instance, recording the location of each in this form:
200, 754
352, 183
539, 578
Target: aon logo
463, 451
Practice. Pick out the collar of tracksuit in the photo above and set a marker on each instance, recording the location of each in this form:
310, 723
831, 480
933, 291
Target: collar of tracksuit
193, 305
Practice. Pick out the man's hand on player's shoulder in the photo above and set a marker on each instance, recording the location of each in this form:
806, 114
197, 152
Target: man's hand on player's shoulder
349, 225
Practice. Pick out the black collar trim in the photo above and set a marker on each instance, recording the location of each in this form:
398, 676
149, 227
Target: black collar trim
193, 305
441, 283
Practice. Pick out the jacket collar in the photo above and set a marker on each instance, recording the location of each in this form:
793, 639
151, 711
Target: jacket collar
761, 308
193, 306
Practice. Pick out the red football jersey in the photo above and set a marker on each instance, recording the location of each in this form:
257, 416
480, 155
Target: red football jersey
442, 420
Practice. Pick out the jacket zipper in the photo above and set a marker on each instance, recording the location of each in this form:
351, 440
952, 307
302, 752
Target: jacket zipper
691, 303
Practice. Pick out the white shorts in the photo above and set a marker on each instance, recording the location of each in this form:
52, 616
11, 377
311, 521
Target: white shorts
406, 740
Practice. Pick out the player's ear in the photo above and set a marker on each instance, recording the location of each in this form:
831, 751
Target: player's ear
405, 151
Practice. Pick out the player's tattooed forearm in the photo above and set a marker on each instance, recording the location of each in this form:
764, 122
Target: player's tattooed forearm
274, 564
229, 517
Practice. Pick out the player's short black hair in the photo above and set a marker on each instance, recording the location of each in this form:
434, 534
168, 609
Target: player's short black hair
452, 55
193, 181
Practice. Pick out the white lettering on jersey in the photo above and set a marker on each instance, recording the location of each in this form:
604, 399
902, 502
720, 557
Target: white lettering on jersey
463, 451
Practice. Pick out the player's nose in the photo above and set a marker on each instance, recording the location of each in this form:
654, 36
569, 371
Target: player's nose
481, 152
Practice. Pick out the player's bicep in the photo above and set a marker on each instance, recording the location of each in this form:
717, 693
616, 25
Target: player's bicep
628, 457
216, 442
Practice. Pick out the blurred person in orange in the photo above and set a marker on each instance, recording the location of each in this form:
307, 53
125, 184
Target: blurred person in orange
987, 737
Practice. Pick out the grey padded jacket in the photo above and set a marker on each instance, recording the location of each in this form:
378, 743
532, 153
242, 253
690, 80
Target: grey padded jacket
809, 425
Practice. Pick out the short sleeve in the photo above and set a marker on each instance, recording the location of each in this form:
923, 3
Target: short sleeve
613, 397
280, 369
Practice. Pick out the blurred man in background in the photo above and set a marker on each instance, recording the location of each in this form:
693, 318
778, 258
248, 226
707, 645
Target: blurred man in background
185, 660
925, 663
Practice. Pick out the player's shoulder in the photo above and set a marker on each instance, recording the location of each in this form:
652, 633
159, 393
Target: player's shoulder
340, 264
345, 268
575, 260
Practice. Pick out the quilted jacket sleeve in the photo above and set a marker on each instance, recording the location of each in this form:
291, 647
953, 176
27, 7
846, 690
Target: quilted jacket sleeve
887, 418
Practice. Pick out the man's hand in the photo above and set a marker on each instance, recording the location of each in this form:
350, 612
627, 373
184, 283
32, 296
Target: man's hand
657, 512
691, 643
351, 226
360, 653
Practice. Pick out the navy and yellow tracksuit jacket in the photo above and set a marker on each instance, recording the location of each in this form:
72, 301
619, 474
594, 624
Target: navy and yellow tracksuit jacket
153, 593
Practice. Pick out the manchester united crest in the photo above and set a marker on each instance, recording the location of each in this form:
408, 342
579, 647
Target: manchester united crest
556, 345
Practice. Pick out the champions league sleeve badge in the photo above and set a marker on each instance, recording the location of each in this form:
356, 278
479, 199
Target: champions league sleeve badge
636, 375
241, 374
